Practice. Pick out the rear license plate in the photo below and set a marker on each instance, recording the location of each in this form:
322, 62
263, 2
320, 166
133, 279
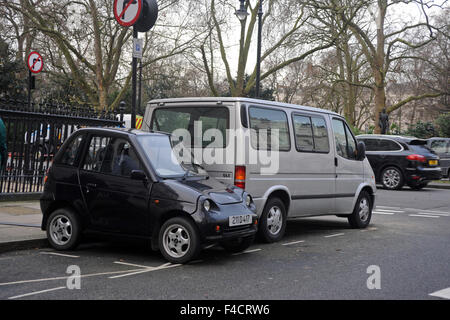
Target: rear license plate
240, 220
433, 162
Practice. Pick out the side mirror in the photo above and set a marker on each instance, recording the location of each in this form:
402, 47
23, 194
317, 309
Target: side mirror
138, 175
361, 151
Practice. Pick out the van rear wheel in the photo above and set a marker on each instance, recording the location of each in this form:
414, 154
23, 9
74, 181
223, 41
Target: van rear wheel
273, 221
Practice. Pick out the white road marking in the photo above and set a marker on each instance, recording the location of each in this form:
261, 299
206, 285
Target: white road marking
36, 292
147, 269
423, 210
385, 210
247, 251
379, 207
334, 235
444, 293
66, 277
131, 264
60, 254
294, 242
378, 212
423, 216
436, 214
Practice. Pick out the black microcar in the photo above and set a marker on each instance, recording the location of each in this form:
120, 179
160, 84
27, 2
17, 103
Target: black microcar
130, 182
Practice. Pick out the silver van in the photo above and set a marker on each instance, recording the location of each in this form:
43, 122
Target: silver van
295, 161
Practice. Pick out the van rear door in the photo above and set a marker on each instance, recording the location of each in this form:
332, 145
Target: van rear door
203, 129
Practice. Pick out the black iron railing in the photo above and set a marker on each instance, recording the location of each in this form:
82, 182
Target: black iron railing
34, 135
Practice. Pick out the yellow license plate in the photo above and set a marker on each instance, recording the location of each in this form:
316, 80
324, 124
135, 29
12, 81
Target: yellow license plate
433, 162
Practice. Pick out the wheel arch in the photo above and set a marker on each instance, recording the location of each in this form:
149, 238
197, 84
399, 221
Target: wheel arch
281, 192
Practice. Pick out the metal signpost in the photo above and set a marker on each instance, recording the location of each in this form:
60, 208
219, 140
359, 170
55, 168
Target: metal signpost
142, 15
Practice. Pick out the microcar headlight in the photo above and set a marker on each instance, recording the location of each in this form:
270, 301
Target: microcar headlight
206, 205
248, 200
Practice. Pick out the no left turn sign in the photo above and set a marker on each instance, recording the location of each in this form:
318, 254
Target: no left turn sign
35, 62
127, 12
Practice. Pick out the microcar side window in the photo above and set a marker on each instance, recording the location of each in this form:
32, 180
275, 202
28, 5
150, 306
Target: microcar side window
70, 153
111, 156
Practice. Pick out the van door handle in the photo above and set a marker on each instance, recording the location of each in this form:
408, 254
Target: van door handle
335, 161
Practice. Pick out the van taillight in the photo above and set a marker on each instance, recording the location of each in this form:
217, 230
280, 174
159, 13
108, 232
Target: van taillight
239, 176
416, 157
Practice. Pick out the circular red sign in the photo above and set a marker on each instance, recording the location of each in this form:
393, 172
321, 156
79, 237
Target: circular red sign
35, 62
125, 14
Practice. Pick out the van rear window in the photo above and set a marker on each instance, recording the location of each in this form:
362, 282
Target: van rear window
170, 119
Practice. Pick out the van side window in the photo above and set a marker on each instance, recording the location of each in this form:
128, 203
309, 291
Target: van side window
303, 133
70, 154
262, 122
345, 143
320, 131
311, 134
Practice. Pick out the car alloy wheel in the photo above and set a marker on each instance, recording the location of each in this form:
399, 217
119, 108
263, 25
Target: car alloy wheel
391, 178
61, 230
176, 241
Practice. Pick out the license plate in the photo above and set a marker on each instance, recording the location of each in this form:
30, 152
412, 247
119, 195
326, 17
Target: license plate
433, 162
240, 220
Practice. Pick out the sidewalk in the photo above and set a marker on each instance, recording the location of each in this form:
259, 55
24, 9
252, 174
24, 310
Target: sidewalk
20, 226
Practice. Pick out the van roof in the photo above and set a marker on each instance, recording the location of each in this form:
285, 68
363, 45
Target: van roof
219, 100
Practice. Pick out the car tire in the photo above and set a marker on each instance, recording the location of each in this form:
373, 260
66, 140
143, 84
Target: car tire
273, 221
63, 229
362, 212
179, 240
237, 245
392, 178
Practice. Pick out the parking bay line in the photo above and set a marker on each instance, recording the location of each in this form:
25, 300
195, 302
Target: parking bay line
247, 251
435, 214
423, 216
385, 210
36, 292
334, 235
387, 213
66, 277
147, 269
60, 254
290, 243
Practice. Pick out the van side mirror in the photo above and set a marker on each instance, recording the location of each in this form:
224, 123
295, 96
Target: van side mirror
361, 151
138, 175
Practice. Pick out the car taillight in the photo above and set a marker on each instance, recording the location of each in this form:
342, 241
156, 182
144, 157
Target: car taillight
239, 176
416, 157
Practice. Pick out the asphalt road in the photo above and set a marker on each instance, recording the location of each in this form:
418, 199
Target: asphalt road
404, 254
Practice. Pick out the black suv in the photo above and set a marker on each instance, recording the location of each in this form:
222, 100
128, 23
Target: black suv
129, 182
397, 160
